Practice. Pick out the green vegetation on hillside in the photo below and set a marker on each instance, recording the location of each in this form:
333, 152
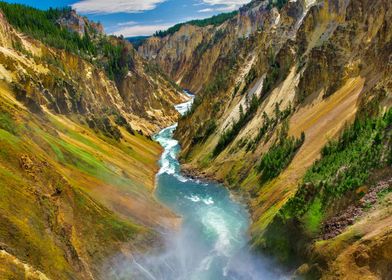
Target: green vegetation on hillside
7, 123
215, 20
115, 57
109, 53
34, 162
42, 25
269, 124
277, 3
204, 131
345, 165
279, 155
272, 75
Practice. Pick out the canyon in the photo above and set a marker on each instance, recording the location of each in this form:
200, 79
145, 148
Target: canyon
275, 87
292, 113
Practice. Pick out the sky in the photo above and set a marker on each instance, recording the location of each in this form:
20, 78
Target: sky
140, 17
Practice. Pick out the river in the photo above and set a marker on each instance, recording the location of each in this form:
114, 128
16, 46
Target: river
212, 243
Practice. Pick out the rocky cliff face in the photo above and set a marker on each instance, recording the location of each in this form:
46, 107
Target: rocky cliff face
143, 99
76, 178
80, 25
193, 54
149, 94
274, 86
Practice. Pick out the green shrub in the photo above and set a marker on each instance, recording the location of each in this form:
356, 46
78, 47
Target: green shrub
269, 125
279, 156
277, 3
271, 77
7, 123
204, 131
314, 217
104, 125
121, 121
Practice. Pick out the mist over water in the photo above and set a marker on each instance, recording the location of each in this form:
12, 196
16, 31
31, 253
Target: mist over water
212, 243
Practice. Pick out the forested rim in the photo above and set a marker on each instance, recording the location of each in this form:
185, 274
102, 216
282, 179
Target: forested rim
214, 20
107, 52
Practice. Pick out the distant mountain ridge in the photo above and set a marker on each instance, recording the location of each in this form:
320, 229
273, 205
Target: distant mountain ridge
137, 41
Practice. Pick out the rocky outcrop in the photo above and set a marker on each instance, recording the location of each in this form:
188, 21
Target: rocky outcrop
338, 224
79, 24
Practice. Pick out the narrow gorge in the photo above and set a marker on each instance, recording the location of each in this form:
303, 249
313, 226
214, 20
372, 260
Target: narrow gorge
211, 242
277, 166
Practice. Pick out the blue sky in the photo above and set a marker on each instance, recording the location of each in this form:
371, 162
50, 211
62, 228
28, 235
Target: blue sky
140, 17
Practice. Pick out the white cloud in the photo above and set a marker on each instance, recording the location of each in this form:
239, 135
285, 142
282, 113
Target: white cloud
221, 9
115, 6
224, 6
207, 10
225, 2
127, 23
140, 30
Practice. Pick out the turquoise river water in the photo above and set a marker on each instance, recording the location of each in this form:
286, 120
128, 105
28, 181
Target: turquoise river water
212, 243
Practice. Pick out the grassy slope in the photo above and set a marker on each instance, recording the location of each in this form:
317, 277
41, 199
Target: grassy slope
71, 197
